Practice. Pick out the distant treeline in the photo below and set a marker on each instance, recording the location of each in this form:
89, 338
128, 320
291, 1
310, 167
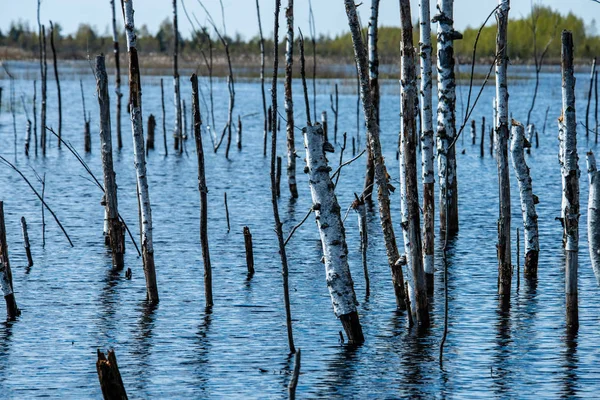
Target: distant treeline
544, 21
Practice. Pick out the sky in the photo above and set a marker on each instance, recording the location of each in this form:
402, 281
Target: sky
240, 15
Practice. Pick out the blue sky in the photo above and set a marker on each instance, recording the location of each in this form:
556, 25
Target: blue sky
241, 17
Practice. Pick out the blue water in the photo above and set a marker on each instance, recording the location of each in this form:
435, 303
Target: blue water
72, 304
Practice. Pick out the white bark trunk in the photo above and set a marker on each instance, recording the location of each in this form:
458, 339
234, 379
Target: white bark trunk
329, 221
446, 116
289, 105
427, 144
594, 215
137, 128
530, 224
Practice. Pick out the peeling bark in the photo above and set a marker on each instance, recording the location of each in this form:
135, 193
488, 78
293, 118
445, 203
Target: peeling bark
6, 283
289, 105
427, 144
381, 175
332, 233
137, 129
570, 173
528, 199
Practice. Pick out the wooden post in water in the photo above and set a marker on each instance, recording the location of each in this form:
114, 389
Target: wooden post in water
594, 214
278, 176
239, 133
26, 242
109, 376
6, 282
481, 148
262, 79
115, 230
288, 103
164, 121
150, 133
409, 194
44, 96
427, 144
589, 99
528, 199
27, 137
335, 110
473, 133
381, 175
35, 137
446, 116
203, 193
57, 83
137, 128
226, 211
503, 246
324, 125
87, 136
570, 174
295, 375
333, 237
278, 225
249, 251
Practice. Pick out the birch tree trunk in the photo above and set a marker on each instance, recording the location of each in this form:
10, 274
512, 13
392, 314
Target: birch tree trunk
409, 195
177, 133
203, 193
55, 64
381, 176
503, 246
528, 199
571, 176
115, 231
137, 130
118, 92
594, 215
446, 115
374, 84
289, 105
332, 232
589, 100
427, 144
262, 79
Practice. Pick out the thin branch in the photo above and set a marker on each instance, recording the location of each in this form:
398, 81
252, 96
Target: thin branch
298, 226
338, 170
8, 163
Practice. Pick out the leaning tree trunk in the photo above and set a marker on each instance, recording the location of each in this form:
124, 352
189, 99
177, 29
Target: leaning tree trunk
177, 133
446, 116
528, 199
504, 256
594, 214
374, 83
381, 176
137, 129
333, 235
409, 194
203, 193
427, 144
115, 231
6, 284
118, 92
571, 177
289, 105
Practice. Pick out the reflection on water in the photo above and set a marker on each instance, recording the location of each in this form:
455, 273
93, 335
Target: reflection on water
73, 304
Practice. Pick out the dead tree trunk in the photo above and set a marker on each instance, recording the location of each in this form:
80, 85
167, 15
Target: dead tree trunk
504, 254
150, 135
473, 133
359, 206
481, 147
109, 376
57, 82
27, 137
528, 199
35, 137
381, 175
589, 101
44, 84
118, 92
262, 80
278, 225
6, 283
249, 251
177, 132
203, 193
446, 116
335, 109
137, 128
26, 242
333, 236
87, 136
427, 144
289, 105
115, 231
409, 194
571, 175
324, 125
374, 85
594, 214
239, 133
164, 121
